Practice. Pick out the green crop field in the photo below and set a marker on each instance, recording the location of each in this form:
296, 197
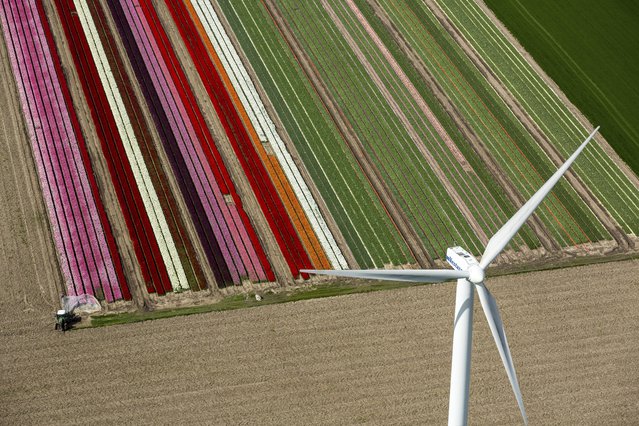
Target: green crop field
526, 164
387, 65
590, 48
487, 202
500, 207
420, 194
602, 176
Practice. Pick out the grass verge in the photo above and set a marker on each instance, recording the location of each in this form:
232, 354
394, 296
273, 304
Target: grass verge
247, 300
331, 289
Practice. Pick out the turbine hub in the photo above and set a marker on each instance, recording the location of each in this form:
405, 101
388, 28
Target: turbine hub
475, 274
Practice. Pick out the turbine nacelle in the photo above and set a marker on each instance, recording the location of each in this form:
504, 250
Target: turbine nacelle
461, 260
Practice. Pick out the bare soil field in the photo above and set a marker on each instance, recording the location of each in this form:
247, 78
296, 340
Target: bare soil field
370, 358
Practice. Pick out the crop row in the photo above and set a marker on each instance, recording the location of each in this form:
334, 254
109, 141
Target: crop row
464, 184
260, 126
598, 171
565, 215
479, 173
355, 208
227, 236
151, 175
82, 236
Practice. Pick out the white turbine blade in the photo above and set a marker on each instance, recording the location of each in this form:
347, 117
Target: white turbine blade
491, 311
504, 235
407, 275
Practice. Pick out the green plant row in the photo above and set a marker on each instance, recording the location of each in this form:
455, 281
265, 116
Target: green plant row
499, 207
475, 195
526, 164
414, 185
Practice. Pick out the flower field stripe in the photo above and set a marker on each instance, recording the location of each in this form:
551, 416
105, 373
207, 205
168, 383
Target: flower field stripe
598, 171
210, 193
134, 156
251, 258
355, 207
127, 138
153, 85
258, 116
132, 111
146, 248
283, 187
270, 203
101, 219
203, 177
82, 236
370, 257
44, 114
233, 252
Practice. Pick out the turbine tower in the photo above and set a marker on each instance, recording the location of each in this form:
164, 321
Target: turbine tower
469, 274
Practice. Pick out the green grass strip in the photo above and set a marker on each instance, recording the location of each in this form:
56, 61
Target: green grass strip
337, 288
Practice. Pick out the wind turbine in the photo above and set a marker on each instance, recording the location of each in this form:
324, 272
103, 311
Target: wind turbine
469, 274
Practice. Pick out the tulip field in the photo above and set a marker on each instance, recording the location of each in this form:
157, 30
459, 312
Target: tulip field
193, 145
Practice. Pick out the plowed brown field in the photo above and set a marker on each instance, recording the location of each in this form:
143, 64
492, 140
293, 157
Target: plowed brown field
369, 358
